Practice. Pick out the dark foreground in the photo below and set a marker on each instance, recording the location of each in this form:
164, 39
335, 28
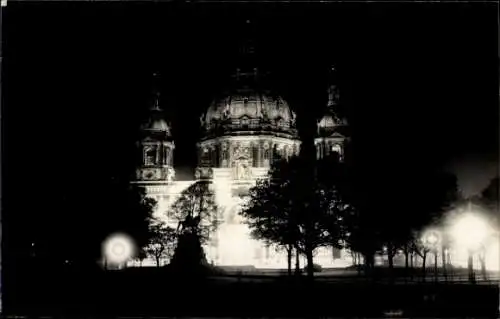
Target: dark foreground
156, 293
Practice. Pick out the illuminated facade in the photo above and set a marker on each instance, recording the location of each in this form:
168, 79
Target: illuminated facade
243, 130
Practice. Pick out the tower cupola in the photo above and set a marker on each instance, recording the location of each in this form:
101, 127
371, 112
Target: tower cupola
331, 128
156, 144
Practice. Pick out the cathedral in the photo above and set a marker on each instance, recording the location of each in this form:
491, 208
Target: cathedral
243, 129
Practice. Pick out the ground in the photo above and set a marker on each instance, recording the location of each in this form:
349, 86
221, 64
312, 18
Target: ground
155, 292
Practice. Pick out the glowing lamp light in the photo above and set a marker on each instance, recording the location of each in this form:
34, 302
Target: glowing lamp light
118, 248
432, 238
470, 231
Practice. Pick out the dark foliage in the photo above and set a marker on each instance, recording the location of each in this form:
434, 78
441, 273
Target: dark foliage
299, 206
90, 217
392, 208
196, 211
162, 242
490, 197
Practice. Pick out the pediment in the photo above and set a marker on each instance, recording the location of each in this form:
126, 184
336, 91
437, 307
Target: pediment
336, 135
147, 139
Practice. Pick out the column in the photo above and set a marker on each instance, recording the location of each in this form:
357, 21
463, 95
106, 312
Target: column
169, 156
158, 148
259, 154
217, 156
213, 156
255, 154
165, 155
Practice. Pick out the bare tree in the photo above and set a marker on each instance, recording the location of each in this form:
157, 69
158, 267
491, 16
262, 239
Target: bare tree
196, 211
420, 247
162, 243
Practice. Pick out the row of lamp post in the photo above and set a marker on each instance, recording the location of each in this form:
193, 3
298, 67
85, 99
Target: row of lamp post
469, 231
432, 240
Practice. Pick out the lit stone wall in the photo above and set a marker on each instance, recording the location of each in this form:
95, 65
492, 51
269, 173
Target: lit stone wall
237, 162
232, 244
234, 164
253, 151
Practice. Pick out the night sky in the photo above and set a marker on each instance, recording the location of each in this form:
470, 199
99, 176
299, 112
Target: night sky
419, 81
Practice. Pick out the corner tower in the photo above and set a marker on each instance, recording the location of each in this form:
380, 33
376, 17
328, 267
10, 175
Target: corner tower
156, 147
331, 128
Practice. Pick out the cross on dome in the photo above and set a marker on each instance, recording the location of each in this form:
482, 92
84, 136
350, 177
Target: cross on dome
155, 106
156, 102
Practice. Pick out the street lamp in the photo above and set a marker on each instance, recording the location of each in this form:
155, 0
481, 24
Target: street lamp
118, 249
470, 232
432, 240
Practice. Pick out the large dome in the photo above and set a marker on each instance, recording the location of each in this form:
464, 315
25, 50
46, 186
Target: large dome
249, 111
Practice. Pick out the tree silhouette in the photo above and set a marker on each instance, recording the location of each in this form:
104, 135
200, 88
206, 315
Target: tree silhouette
388, 214
291, 211
488, 202
139, 217
268, 215
490, 197
196, 214
116, 207
196, 211
419, 246
162, 242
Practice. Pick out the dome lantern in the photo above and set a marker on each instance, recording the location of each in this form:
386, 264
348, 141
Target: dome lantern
247, 106
155, 122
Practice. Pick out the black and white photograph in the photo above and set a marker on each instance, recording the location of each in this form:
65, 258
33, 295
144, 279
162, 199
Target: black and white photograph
250, 159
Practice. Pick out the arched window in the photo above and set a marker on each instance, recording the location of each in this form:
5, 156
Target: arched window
267, 156
224, 158
255, 155
276, 152
205, 156
211, 154
216, 155
336, 148
150, 156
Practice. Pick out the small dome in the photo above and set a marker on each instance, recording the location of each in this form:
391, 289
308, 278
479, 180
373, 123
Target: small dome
156, 125
246, 109
330, 123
